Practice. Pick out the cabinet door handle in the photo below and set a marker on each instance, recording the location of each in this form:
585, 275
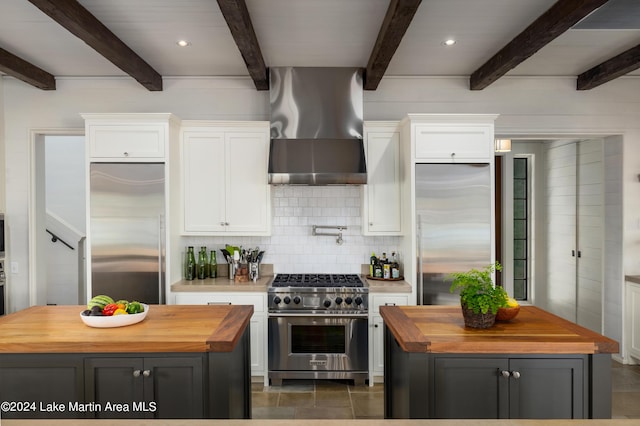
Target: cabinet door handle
370, 223
505, 373
453, 154
573, 253
126, 154
375, 325
515, 374
221, 223
579, 253
136, 373
146, 373
226, 224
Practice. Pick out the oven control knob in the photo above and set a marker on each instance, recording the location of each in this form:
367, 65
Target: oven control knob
296, 300
348, 300
327, 303
358, 300
287, 300
338, 300
276, 300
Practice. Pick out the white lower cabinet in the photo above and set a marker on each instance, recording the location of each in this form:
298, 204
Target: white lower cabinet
258, 325
376, 335
632, 321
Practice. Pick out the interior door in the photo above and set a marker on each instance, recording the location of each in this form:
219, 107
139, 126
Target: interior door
590, 222
561, 172
575, 212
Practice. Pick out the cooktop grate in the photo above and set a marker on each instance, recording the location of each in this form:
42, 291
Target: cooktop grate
317, 280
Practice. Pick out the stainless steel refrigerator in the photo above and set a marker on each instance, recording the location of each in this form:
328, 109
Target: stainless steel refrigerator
453, 221
127, 206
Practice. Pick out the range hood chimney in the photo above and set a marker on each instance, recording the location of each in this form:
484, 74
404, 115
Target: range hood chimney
316, 126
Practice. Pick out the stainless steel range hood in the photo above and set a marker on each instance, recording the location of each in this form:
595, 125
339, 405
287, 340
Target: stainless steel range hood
316, 126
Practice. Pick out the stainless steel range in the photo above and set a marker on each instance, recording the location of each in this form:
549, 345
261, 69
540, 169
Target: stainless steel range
318, 327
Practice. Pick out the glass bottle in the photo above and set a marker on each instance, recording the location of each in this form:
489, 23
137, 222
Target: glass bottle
372, 262
206, 261
377, 269
202, 265
213, 265
395, 266
190, 266
386, 268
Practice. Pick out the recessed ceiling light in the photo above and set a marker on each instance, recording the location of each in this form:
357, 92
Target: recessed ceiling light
183, 43
449, 42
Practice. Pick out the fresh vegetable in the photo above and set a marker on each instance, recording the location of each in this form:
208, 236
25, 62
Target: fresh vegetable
110, 309
135, 307
100, 300
120, 311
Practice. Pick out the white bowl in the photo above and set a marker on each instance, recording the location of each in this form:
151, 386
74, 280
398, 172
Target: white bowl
115, 320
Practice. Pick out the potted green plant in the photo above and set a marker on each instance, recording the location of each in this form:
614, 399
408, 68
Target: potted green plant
479, 297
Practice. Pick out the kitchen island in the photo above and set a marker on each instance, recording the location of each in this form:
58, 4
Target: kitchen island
535, 366
179, 362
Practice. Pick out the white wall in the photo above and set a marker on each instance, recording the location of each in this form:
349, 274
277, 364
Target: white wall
527, 106
613, 239
65, 178
2, 149
66, 211
292, 248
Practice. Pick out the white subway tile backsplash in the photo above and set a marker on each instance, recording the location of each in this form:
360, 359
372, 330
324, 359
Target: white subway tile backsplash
293, 248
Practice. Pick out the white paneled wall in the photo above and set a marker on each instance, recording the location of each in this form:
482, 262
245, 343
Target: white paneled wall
292, 247
590, 234
613, 277
561, 228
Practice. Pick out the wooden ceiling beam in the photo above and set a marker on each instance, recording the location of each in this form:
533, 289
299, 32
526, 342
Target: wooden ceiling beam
559, 18
80, 22
611, 69
239, 22
399, 15
14, 66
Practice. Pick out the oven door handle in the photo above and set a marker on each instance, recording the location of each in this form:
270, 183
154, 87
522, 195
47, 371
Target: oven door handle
317, 315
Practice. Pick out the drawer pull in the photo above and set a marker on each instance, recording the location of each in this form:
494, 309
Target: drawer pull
219, 303
389, 304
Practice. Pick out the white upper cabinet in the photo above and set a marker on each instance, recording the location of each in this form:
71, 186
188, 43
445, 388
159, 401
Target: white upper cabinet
224, 169
381, 210
457, 138
127, 137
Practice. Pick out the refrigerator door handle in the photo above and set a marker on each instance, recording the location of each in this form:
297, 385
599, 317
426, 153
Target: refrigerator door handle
161, 265
420, 278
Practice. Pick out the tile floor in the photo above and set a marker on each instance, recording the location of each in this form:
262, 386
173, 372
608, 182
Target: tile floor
317, 399
327, 399
626, 391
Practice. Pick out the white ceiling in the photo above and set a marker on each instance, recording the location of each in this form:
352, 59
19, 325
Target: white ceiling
306, 33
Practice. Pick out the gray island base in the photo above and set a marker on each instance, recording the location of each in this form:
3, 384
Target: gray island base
537, 366
181, 362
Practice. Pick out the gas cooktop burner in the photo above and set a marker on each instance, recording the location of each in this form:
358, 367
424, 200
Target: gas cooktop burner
317, 280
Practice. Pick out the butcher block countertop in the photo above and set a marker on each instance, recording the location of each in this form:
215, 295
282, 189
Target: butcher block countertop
167, 328
440, 329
